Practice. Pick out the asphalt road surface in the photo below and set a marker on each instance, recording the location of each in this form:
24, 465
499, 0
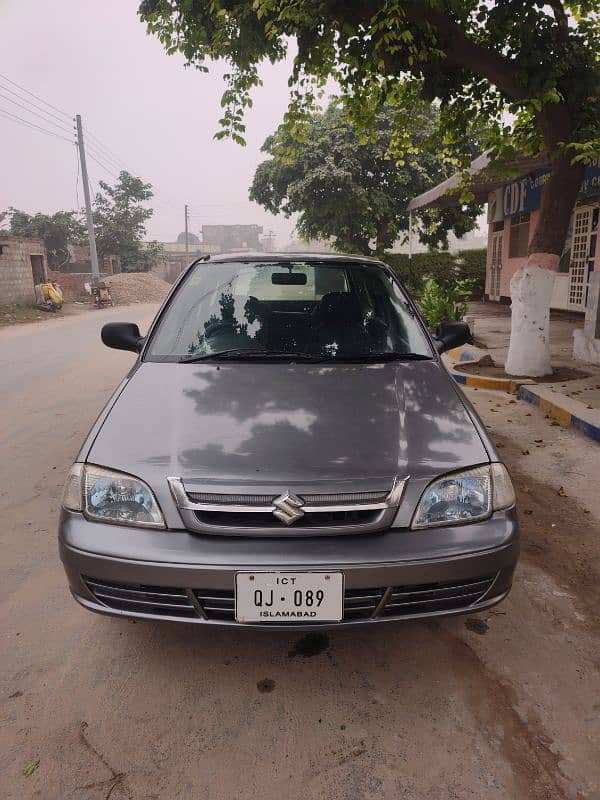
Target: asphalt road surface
504, 704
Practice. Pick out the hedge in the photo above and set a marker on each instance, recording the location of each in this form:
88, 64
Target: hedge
444, 267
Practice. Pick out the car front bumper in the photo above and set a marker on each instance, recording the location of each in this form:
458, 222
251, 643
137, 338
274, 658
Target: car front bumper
185, 577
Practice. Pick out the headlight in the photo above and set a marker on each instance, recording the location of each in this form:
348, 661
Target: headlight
107, 496
465, 497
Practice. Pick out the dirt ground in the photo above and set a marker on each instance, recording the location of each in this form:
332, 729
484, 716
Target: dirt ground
503, 704
19, 314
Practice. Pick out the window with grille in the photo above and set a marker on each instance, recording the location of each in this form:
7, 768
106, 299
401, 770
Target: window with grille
581, 263
519, 236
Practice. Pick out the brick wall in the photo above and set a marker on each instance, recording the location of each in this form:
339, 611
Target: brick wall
72, 283
16, 274
171, 267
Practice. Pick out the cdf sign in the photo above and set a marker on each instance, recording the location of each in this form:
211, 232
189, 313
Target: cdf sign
521, 195
514, 197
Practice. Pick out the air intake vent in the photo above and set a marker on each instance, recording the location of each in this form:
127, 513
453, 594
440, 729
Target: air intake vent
394, 602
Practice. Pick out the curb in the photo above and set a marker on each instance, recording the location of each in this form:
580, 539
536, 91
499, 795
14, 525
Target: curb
468, 354
570, 413
481, 382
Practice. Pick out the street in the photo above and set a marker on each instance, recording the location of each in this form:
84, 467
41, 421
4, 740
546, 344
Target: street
503, 704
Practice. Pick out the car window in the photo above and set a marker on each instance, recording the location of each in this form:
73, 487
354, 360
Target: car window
339, 309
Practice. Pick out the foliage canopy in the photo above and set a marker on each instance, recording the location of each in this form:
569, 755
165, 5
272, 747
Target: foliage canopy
347, 187
57, 230
539, 60
120, 221
536, 59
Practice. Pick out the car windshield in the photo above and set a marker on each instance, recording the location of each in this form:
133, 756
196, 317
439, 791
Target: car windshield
327, 311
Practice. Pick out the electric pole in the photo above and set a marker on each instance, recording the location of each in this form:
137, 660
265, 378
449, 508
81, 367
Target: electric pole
187, 243
88, 204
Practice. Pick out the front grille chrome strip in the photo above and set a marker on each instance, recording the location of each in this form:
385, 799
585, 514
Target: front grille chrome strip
329, 514
186, 501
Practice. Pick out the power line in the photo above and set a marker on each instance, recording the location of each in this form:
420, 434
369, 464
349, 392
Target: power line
35, 105
100, 164
23, 89
100, 146
97, 150
29, 124
99, 154
35, 113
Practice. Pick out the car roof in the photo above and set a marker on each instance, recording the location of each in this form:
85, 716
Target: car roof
341, 258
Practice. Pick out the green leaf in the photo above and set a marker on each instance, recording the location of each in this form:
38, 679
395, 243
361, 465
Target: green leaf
31, 768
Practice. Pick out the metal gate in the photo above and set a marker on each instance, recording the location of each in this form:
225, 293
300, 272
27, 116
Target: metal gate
496, 265
581, 262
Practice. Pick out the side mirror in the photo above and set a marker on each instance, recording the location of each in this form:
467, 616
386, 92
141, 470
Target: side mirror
122, 336
451, 334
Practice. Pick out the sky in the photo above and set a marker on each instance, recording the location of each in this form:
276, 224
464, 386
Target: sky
157, 117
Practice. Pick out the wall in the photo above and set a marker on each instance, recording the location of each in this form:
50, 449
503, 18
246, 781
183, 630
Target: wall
171, 267
232, 237
16, 276
109, 265
511, 265
72, 283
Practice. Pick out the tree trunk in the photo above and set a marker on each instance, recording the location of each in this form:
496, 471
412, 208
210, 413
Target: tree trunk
383, 235
531, 286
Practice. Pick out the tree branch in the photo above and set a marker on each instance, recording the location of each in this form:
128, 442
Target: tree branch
561, 20
464, 52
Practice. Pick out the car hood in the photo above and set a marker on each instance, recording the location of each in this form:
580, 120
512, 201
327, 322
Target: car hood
287, 423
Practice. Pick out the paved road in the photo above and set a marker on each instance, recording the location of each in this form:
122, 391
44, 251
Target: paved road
505, 704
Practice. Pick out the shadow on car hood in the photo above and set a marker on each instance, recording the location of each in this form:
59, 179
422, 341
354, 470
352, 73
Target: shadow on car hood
290, 423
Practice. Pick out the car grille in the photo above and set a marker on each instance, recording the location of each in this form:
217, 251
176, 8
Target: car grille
266, 500
141, 599
289, 511
432, 597
318, 519
393, 602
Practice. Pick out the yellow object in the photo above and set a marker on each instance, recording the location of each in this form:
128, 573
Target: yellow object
52, 293
103, 294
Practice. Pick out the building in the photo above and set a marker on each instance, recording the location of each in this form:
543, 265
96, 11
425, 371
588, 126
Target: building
512, 214
232, 238
176, 256
23, 265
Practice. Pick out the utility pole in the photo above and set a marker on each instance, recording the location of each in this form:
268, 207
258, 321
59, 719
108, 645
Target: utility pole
88, 204
187, 241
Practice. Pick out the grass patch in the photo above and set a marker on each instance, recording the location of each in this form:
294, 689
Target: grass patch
14, 314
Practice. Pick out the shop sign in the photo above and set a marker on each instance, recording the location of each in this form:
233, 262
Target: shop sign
524, 194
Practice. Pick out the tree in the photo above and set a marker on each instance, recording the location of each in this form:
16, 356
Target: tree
57, 230
120, 220
481, 58
349, 187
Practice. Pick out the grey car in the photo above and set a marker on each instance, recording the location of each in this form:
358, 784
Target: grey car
288, 450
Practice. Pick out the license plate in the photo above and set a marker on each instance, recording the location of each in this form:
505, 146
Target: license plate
289, 596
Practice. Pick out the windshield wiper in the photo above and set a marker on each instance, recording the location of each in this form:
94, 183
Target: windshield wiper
248, 353
389, 356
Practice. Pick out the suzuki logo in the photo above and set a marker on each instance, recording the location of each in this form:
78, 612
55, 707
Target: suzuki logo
288, 508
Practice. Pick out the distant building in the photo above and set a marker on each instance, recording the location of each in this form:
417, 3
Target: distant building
175, 257
80, 261
191, 238
232, 238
